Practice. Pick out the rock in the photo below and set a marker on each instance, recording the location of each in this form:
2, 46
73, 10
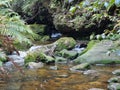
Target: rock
96, 89
90, 72
53, 67
82, 66
114, 80
96, 54
60, 60
23, 54
116, 72
114, 86
34, 65
17, 59
63, 76
65, 43
38, 56
68, 54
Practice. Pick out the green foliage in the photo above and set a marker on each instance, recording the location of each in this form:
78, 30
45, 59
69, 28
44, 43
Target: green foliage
12, 25
72, 10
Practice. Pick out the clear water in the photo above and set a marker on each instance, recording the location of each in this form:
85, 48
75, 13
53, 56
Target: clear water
62, 79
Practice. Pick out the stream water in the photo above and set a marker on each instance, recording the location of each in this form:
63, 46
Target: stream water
61, 79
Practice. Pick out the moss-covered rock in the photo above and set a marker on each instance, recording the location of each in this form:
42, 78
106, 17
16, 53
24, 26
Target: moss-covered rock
82, 66
68, 54
101, 53
38, 56
60, 60
65, 43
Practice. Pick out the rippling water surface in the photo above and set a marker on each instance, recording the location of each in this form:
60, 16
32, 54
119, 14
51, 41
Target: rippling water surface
62, 79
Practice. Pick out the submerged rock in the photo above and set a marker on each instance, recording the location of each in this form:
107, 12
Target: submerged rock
34, 65
90, 72
82, 66
96, 89
54, 67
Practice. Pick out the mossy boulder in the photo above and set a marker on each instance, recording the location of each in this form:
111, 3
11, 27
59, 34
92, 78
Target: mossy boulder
38, 56
82, 66
68, 54
65, 43
60, 59
102, 52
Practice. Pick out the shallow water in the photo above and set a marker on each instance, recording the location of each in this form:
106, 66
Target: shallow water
62, 79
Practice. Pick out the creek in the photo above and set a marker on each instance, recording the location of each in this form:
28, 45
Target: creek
61, 79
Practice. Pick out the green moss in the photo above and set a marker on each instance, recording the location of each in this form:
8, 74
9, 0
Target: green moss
68, 54
89, 46
65, 43
2, 57
38, 56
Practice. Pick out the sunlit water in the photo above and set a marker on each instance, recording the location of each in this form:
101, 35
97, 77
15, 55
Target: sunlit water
62, 79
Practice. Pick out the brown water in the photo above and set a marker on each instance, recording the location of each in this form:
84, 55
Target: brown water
62, 79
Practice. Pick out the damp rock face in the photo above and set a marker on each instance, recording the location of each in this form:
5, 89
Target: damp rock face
101, 52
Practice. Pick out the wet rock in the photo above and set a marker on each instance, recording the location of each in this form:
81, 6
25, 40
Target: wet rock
96, 89
54, 67
38, 56
97, 53
82, 66
63, 76
68, 54
17, 59
34, 65
65, 43
114, 80
114, 86
116, 72
89, 72
60, 60
23, 54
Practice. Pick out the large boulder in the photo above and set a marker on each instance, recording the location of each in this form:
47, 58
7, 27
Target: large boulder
102, 52
65, 43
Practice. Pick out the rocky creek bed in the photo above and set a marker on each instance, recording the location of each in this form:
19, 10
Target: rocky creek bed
62, 79
65, 65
